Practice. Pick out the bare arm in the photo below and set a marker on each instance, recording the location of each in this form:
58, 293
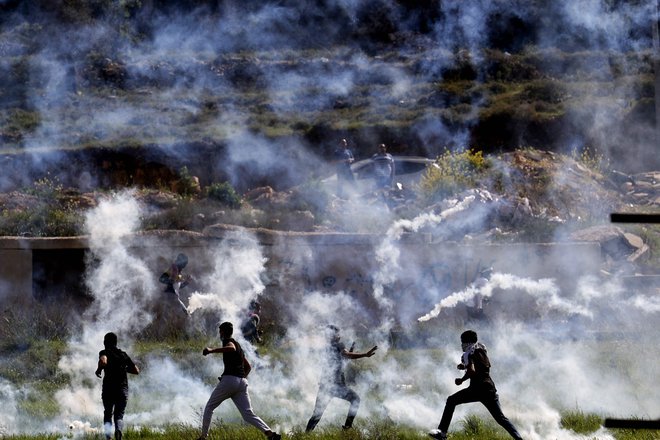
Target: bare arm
469, 373
353, 355
103, 361
226, 349
133, 369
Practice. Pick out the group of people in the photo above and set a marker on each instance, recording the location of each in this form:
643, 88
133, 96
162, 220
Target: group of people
383, 167
114, 364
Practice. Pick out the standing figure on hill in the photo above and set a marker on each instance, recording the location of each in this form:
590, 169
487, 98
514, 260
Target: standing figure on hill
343, 158
482, 389
250, 325
232, 384
114, 393
384, 169
175, 280
333, 380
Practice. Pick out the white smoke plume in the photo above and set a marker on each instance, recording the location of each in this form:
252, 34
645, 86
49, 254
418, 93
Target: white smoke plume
546, 294
542, 367
236, 278
387, 254
592, 348
9, 418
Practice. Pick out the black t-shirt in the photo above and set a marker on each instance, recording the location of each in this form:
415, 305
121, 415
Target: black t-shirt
115, 371
334, 373
482, 377
233, 360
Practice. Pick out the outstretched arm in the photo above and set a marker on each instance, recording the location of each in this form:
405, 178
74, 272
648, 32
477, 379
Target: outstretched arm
354, 355
226, 349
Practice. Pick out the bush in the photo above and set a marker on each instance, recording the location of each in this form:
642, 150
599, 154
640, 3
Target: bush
591, 158
187, 185
49, 215
453, 172
225, 194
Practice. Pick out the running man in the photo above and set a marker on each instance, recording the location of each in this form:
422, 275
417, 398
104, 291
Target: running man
481, 389
333, 381
232, 384
114, 393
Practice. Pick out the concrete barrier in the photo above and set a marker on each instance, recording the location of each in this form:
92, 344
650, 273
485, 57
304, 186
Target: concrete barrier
305, 262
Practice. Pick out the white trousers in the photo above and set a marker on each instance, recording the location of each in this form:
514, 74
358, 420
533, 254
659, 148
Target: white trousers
235, 388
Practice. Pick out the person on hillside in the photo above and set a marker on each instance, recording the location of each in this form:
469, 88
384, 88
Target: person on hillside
113, 365
384, 169
232, 384
175, 280
333, 380
476, 365
343, 158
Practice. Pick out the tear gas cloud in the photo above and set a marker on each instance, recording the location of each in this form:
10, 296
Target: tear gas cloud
541, 368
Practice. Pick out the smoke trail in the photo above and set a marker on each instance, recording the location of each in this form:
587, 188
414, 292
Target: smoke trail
236, 278
540, 367
545, 292
387, 253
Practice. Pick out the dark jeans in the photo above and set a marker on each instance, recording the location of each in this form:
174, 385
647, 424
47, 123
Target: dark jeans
326, 393
114, 405
488, 398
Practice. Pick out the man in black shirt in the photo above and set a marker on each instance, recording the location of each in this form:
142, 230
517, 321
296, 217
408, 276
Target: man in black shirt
114, 394
232, 384
333, 381
476, 364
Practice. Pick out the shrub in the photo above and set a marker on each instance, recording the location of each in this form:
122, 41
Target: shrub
225, 194
310, 196
591, 158
187, 185
453, 172
546, 90
49, 215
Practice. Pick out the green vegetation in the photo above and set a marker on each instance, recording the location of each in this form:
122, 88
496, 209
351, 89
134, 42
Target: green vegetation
453, 171
472, 428
533, 87
37, 337
579, 422
592, 159
224, 193
51, 213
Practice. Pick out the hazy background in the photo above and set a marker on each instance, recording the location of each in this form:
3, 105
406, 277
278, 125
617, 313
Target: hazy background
541, 367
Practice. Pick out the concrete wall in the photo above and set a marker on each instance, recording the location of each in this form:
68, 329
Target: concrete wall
423, 270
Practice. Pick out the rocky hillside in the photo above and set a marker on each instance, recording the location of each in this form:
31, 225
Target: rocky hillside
229, 111
526, 195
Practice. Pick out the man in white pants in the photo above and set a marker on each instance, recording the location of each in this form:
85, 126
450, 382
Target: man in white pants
233, 384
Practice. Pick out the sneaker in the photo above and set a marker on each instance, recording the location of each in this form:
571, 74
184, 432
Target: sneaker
275, 436
344, 427
437, 434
